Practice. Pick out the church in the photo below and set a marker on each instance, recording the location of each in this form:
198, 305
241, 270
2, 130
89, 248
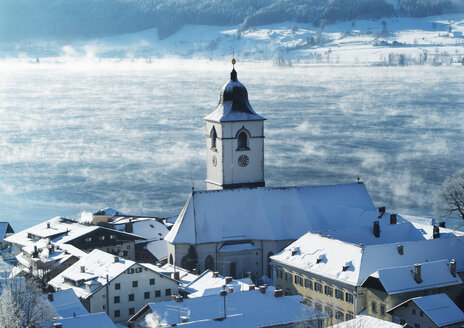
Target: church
238, 223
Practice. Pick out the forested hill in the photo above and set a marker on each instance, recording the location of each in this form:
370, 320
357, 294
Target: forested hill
81, 19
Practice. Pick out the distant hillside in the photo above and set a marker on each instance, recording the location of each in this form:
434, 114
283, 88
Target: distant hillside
82, 19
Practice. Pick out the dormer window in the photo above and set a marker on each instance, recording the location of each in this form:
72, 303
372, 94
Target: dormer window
213, 136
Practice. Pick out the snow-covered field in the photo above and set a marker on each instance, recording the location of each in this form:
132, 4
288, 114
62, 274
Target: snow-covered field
394, 41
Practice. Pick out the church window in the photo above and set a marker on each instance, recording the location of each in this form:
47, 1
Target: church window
242, 140
170, 259
213, 138
209, 263
233, 269
269, 266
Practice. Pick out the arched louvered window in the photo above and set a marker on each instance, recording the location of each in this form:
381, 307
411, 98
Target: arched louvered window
242, 141
213, 138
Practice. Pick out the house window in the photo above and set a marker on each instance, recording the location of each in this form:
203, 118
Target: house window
279, 272
416, 325
88, 239
152, 281
117, 286
288, 276
339, 294
131, 297
112, 236
146, 295
308, 284
308, 301
318, 306
318, 287
374, 307
382, 309
168, 291
349, 316
117, 313
131, 311
339, 315
242, 141
135, 283
328, 290
349, 297
298, 280
329, 311
102, 237
421, 313
157, 293
116, 300
414, 311
402, 322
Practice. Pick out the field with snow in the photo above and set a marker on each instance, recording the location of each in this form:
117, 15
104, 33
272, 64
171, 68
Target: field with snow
395, 41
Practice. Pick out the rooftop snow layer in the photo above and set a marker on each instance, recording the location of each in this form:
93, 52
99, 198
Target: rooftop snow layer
268, 213
208, 284
439, 308
366, 321
365, 260
100, 320
401, 279
67, 304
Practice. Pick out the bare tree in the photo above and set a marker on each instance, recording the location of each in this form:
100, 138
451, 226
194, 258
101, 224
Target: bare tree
452, 194
21, 305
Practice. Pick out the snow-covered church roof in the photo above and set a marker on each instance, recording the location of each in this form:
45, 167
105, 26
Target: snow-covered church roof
233, 103
270, 213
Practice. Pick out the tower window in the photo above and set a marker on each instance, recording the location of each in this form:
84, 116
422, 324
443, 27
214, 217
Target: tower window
213, 138
242, 141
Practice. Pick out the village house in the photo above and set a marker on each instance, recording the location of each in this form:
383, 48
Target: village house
432, 311
117, 286
257, 308
330, 273
85, 237
386, 288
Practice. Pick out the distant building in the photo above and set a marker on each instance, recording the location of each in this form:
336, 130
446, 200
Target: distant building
5, 231
114, 285
434, 311
367, 322
255, 308
85, 237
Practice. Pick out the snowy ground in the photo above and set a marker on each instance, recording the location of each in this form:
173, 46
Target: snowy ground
395, 41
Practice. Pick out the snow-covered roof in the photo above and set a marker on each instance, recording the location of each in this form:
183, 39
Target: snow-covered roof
185, 277
100, 320
210, 283
269, 213
233, 104
362, 261
66, 303
366, 321
99, 268
4, 229
401, 279
258, 308
438, 307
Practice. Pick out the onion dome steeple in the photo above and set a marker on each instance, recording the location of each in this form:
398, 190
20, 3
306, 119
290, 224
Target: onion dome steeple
233, 103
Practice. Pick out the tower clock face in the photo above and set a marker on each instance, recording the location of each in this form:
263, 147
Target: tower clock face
243, 160
214, 160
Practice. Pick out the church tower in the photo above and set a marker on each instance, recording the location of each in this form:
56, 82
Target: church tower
234, 140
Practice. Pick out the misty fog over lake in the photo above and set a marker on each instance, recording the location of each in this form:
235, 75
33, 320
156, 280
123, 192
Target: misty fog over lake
130, 135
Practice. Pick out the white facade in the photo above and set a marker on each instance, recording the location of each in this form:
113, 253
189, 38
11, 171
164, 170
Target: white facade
226, 164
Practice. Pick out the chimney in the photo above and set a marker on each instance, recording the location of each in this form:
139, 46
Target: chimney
231, 289
215, 274
417, 273
278, 293
381, 211
262, 289
223, 292
436, 232
251, 287
184, 319
82, 269
376, 229
173, 297
295, 250
228, 280
176, 275
179, 299
116, 259
442, 224
453, 267
57, 325
48, 225
400, 249
50, 297
392, 218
